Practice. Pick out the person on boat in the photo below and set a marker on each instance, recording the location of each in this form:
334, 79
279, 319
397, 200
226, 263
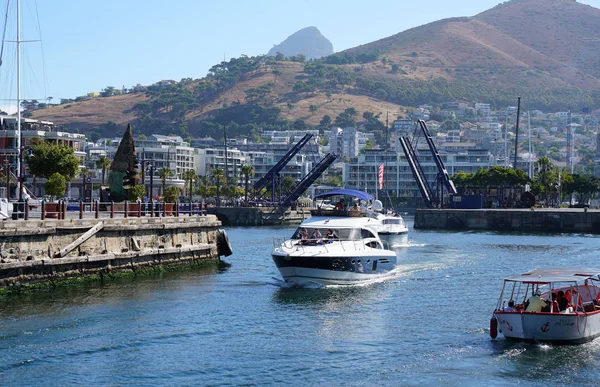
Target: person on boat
340, 205
316, 236
535, 303
355, 209
563, 302
331, 234
304, 236
510, 307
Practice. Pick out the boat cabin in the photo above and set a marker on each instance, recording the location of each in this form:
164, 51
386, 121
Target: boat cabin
580, 288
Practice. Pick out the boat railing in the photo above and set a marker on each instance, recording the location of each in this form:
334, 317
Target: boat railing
345, 244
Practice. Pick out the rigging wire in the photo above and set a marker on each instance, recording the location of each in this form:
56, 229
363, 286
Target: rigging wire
4, 32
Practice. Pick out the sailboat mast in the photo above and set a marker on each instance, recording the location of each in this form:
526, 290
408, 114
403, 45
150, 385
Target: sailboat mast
18, 134
530, 150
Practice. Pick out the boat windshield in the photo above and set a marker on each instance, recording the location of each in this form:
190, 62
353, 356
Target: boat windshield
343, 234
392, 221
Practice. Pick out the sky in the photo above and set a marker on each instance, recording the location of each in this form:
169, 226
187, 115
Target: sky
87, 45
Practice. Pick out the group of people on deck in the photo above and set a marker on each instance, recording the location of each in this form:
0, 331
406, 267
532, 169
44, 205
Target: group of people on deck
316, 237
341, 206
560, 303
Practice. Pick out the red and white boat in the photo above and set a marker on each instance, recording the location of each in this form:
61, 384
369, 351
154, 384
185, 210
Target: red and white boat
576, 320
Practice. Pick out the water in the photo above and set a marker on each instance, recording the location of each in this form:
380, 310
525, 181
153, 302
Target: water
236, 325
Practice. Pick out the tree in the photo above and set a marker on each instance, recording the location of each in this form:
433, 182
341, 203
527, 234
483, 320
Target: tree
136, 193
164, 174
56, 185
189, 176
103, 163
247, 171
546, 177
47, 159
287, 184
218, 175
325, 121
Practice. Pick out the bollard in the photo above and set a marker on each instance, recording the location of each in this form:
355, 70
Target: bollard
176, 209
112, 209
97, 208
139, 202
26, 209
81, 209
43, 209
126, 209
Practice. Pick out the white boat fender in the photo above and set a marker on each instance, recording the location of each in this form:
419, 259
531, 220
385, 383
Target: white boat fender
493, 327
223, 245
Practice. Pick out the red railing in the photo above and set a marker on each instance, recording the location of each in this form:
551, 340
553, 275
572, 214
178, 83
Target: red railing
62, 210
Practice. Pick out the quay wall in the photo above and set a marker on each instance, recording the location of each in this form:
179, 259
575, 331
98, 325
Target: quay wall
537, 220
37, 251
258, 216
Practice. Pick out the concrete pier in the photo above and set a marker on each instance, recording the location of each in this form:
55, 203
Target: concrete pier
258, 216
554, 220
36, 251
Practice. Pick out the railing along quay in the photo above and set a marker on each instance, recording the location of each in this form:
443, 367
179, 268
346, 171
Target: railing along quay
27, 210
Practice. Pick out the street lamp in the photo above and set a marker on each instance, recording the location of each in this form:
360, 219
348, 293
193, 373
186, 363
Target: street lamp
151, 170
21, 173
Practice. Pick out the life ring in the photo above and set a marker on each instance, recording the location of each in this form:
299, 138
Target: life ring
493, 327
223, 245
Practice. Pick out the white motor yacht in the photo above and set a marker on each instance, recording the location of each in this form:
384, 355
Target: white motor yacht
334, 247
553, 305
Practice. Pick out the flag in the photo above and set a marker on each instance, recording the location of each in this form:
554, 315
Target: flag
380, 174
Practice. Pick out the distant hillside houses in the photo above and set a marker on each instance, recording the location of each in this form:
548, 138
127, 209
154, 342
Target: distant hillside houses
482, 138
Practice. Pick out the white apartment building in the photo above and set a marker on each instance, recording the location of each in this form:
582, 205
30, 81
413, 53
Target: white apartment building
360, 172
344, 142
166, 152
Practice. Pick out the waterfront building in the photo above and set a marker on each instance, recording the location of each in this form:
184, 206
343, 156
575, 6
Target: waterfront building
344, 142
360, 172
33, 131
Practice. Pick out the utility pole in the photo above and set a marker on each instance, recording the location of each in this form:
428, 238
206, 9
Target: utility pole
517, 131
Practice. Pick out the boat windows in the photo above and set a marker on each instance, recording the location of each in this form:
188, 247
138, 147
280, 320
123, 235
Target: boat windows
366, 233
342, 234
392, 221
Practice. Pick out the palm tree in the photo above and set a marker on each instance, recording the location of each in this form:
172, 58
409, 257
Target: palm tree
103, 162
546, 175
164, 174
218, 175
247, 171
189, 176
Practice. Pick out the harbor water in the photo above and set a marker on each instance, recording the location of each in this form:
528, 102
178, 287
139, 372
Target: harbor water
236, 324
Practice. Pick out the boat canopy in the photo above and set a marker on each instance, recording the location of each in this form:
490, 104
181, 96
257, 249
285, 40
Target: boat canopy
561, 274
347, 192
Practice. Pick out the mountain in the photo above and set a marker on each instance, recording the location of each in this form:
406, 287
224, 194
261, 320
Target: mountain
308, 42
523, 45
546, 51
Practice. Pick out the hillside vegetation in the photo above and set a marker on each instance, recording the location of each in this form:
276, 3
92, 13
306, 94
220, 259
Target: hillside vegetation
546, 51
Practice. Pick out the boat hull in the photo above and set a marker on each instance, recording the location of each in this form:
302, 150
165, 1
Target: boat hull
332, 270
555, 328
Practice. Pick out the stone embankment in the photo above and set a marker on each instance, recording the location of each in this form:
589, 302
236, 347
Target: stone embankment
258, 216
526, 220
45, 251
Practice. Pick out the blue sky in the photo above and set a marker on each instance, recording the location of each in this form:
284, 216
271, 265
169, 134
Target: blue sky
91, 44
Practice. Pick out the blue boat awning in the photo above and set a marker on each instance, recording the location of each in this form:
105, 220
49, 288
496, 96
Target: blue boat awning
347, 192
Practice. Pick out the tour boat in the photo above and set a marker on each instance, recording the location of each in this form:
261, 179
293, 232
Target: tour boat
569, 311
352, 253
